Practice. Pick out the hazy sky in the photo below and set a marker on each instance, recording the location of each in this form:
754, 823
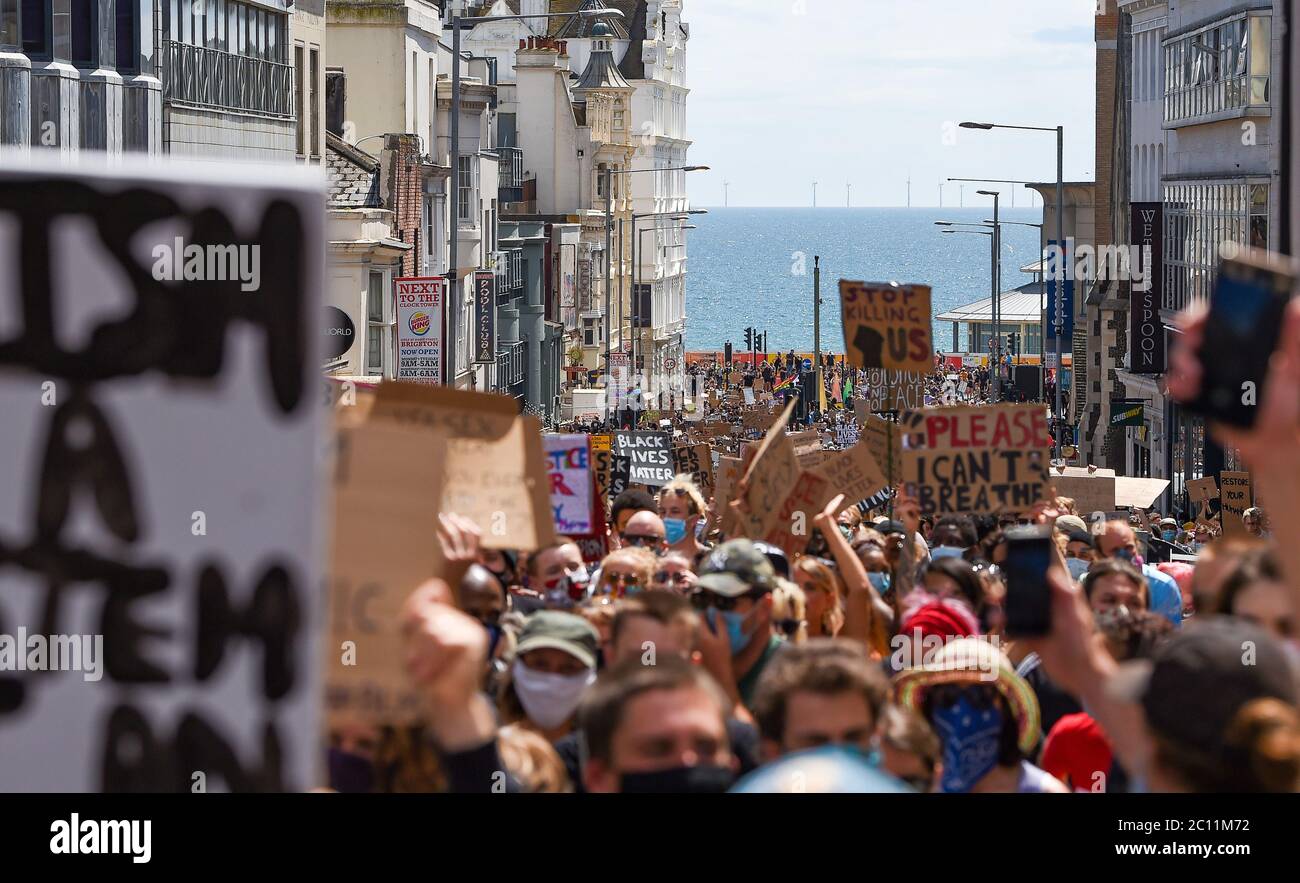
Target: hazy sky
785, 92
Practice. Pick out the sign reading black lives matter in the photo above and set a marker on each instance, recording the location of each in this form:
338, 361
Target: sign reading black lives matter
158, 493
651, 454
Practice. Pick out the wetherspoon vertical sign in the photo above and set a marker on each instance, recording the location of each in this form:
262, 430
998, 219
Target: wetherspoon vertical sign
1146, 331
485, 317
419, 329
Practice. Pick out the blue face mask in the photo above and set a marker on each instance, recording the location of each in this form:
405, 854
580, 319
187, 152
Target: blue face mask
1168, 535
737, 637
674, 530
940, 552
971, 739
879, 581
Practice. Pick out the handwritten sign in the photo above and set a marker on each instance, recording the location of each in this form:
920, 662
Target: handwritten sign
569, 480
886, 325
976, 460
1234, 499
697, 462
853, 473
770, 476
602, 461
884, 391
160, 486
651, 454
792, 526
885, 442
620, 475
1202, 490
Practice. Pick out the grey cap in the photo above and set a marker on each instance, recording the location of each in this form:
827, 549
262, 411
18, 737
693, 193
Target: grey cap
735, 568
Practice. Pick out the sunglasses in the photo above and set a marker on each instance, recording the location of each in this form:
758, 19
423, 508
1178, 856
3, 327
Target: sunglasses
703, 600
623, 579
664, 576
641, 540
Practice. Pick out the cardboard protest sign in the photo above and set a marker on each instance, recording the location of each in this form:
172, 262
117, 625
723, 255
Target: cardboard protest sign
984, 460
884, 391
570, 482
792, 526
651, 454
770, 476
697, 462
1091, 493
886, 325
730, 470
1202, 490
161, 334
885, 442
749, 395
1234, 499
620, 475
810, 458
1138, 492
853, 473
602, 457
808, 439
494, 469
387, 492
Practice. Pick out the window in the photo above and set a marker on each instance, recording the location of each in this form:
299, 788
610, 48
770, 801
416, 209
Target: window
591, 332
300, 71
313, 99
465, 209
126, 22
380, 324
36, 29
85, 33
1199, 218
11, 37
1221, 67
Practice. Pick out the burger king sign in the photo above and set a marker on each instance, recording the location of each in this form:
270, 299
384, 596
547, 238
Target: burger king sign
419, 329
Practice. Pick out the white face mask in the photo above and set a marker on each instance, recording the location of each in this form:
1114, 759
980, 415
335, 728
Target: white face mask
549, 699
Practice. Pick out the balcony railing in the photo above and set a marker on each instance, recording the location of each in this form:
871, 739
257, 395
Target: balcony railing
511, 168
511, 362
212, 78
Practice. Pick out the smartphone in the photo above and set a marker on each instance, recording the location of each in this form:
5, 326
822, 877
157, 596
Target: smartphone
1241, 332
1028, 604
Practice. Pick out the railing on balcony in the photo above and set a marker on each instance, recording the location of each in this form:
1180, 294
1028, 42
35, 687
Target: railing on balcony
511, 362
510, 168
212, 78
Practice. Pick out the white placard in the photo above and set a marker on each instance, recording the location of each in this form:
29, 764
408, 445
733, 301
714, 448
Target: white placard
160, 457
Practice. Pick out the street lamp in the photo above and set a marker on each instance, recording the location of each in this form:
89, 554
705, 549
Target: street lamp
1058, 321
636, 266
452, 311
997, 296
1042, 308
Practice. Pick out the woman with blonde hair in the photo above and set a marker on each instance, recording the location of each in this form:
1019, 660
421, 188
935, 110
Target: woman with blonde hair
789, 611
625, 572
824, 592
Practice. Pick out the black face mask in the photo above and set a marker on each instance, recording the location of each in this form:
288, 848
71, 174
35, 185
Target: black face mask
350, 773
701, 779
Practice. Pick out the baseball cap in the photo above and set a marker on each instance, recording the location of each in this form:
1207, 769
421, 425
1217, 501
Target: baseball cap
1078, 536
1195, 683
1169, 522
735, 568
1066, 523
555, 630
890, 525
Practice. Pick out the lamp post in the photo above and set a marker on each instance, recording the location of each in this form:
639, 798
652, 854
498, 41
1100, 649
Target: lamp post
636, 266
452, 311
997, 296
993, 243
1042, 309
1058, 321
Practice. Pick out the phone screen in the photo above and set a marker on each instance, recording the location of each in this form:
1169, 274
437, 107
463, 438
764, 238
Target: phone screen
1028, 602
1241, 332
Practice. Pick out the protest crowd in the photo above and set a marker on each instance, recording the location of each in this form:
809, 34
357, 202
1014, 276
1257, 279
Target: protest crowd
751, 601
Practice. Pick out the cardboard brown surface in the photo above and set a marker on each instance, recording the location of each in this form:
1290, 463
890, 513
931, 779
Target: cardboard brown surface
1235, 496
887, 325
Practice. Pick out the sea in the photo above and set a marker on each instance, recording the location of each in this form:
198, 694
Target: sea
753, 267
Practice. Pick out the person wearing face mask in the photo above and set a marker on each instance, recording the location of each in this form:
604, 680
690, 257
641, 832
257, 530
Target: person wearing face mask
555, 662
986, 718
656, 729
682, 508
1114, 587
482, 596
951, 537
1118, 541
556, 578
734, 594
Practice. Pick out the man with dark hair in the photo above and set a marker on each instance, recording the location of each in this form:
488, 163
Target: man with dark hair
734, 591
626, 505
824, 692
656, 728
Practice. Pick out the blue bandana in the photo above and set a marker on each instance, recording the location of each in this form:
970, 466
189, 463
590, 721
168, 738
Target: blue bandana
971, 738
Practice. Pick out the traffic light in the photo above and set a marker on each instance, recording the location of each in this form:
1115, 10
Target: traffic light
749, 339
727, 353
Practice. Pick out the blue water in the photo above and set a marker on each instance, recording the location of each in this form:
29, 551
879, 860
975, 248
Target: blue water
742, 269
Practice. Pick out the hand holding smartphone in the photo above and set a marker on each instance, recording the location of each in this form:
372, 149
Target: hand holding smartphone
1028, 606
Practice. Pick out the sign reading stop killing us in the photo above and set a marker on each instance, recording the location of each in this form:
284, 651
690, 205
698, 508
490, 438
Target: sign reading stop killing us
160, 582
887, 325
976, 460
